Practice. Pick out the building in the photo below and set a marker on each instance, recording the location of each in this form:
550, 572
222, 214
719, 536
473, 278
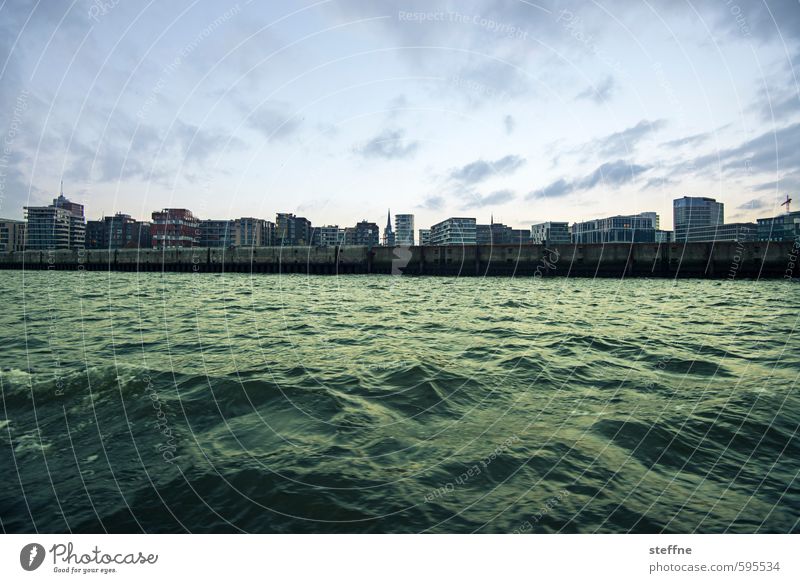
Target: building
424, 236
454, 231
616, 229
77, 220
781, 228
252, 232
364, 233
291, 230
724, 232
664, 236
654, 218
174, 228
217, 232
550, 233
328, 236
388, 234
12, 235
692, 212
404, 230
120, 231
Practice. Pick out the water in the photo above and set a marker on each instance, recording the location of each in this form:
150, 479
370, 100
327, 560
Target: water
179, 402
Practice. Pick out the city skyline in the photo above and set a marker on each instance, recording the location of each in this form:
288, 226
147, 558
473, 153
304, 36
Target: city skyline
534, 113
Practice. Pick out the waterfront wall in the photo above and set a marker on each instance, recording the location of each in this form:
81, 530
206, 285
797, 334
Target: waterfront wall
717, 260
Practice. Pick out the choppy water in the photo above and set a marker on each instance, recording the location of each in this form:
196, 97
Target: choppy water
371, 403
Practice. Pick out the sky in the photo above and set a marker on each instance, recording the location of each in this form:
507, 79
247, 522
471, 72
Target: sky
339, 110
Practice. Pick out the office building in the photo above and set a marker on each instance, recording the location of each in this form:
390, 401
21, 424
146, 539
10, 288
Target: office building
404, 230
120, 231
692, 212
328, 236
252, 232
12, 235
454, 231
217, 232
174, 228
663, 236
364, 233
781, 228
724, 232
60, 225
550, 233
77, 220
424, 236
616, 229
291, 230
654, 219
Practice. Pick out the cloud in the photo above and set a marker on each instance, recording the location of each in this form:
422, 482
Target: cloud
625, 141
613, 174
273, 122
432, 202
754, 204
497, 197
688, 140
479, 170
599, 93
509, 123
770, 152
389, 144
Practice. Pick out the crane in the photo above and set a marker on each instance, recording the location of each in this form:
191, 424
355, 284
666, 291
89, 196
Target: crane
786, 203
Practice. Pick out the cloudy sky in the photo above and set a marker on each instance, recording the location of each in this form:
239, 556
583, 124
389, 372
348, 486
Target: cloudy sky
336, 110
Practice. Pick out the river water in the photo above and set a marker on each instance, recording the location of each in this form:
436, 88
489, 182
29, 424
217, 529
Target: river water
228, 402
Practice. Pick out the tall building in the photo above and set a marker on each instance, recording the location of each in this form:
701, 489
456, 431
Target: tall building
291, 230
60, 225
454, 231
328, 236
217, 232
174, 228
252, 232
77, 220
364, 233
550, 233
120, 231
12, 235
617, 229
388, 234
424, 237
404, 230
692, 212
781, 228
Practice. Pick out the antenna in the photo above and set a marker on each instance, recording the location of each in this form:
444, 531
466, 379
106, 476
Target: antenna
786, 203
62, 187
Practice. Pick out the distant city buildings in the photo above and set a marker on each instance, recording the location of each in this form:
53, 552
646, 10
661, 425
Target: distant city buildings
174, 228
60, 225
723, 232
404, 230
12, 235
424, 237
328, 235
291, 230
781, 228
550, 233
500, 234
120, 231
695, 212
616, 229
364, 233
454, 231
253, 232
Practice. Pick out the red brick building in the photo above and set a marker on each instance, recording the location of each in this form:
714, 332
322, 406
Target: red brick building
175, 228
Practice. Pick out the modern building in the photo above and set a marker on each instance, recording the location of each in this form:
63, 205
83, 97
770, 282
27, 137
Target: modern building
174, 228
60, 225
364, 233
663, 236
388, 234
328, 236
77, 220
291, 230
217, 232
781, 228
424, 236
120, 231
724, 232
550, 233
12, 235
616, 229
692, 212
404, 230
252, 232
454, 231
654, 218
